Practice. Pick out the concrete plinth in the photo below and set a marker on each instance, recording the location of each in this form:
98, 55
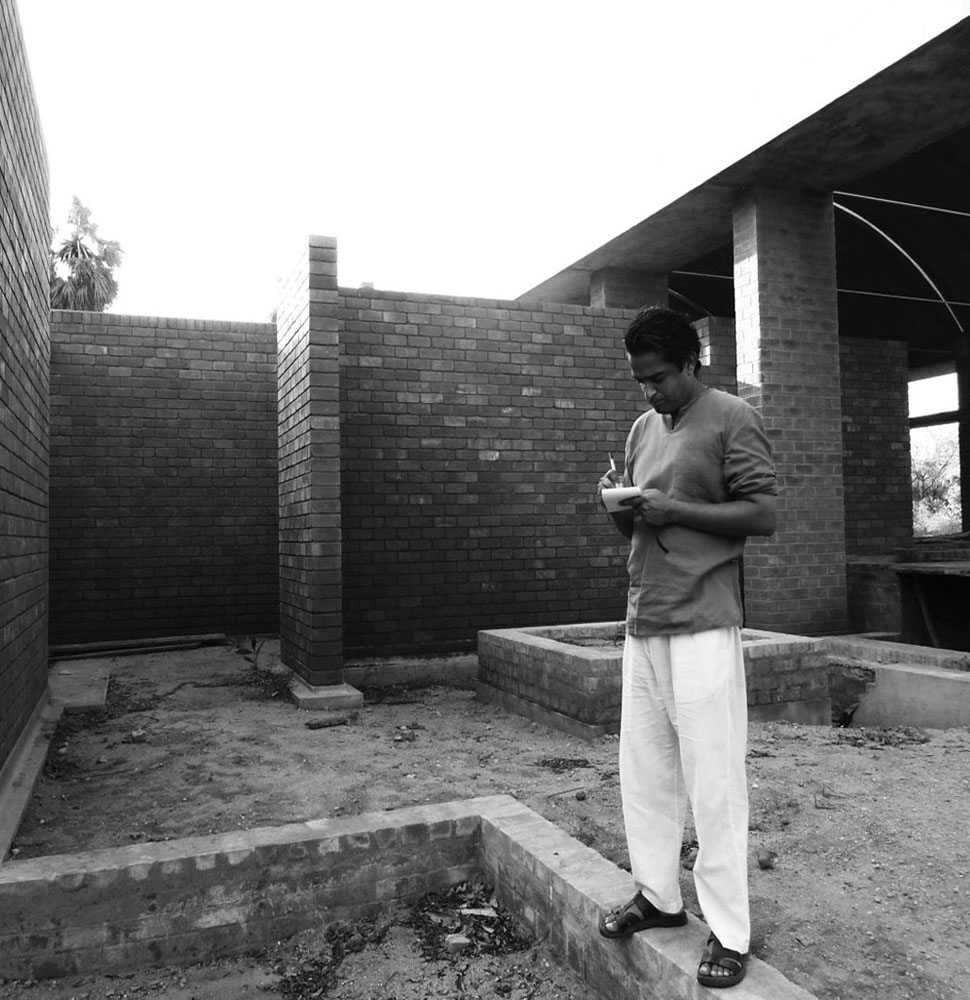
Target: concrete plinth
328, 697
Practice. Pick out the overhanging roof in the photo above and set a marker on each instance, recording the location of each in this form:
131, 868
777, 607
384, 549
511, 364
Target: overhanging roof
902, 137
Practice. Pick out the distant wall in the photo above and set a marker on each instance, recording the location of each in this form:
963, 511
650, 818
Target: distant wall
473, 432
24, 348
163, 477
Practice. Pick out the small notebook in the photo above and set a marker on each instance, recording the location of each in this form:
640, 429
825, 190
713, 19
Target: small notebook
612, 498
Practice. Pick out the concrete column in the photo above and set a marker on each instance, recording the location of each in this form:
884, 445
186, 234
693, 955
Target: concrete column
620, 288
311, 625
786, 318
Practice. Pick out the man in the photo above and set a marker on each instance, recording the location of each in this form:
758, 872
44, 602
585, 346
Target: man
702, 463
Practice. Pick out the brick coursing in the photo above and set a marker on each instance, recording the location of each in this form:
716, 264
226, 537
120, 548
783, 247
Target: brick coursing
163, 477
24, 420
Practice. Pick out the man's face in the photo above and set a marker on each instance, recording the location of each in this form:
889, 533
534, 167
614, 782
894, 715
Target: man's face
665, 386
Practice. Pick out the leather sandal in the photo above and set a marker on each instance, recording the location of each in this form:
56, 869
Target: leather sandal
716, 954
638, 915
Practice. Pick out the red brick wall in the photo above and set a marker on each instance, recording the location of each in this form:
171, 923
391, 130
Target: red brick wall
24, 427
472, 435
163, 477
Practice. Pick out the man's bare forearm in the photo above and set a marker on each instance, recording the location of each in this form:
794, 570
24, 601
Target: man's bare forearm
754, 515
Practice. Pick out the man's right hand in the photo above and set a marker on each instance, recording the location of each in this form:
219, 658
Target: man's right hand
610, 480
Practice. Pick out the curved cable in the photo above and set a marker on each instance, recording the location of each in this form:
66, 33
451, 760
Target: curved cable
690, 302
908, 257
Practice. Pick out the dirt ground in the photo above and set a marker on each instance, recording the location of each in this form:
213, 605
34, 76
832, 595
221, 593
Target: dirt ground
860, 858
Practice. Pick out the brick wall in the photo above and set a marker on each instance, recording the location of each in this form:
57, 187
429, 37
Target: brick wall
24, 349
472, 436
876, 457
163, 477
471, 433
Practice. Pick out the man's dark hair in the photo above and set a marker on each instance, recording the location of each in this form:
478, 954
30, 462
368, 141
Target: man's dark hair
665, 332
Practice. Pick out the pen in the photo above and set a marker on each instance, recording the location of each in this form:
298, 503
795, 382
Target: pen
612, 463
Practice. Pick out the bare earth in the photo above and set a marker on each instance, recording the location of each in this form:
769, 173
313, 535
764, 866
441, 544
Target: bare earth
860, 858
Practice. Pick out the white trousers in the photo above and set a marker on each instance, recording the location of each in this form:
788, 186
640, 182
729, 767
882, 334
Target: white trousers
683, 734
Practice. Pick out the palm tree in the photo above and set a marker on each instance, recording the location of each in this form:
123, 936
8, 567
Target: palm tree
82, 267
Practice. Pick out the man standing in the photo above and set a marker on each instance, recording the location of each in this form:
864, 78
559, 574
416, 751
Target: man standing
702, 463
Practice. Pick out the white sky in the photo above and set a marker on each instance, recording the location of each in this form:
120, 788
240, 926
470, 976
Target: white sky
938, 394
457, 147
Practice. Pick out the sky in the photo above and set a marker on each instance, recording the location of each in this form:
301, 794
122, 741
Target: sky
453, 147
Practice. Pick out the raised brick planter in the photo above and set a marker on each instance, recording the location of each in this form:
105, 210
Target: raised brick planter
562, 676
187, 900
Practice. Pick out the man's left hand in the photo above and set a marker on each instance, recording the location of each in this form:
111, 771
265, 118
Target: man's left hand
652, 506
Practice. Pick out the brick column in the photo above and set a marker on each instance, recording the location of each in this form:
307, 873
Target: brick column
311, 625
788, 367
719, 353
620, 288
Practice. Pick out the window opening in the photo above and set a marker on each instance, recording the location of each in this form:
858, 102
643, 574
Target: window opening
935, 455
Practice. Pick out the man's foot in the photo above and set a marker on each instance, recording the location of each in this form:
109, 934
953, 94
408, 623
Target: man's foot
720, 966
638, 915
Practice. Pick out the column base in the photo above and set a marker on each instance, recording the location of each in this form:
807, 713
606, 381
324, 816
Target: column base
325, 698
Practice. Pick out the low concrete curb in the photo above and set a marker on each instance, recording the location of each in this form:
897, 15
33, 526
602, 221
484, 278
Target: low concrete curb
71, 688
183, 901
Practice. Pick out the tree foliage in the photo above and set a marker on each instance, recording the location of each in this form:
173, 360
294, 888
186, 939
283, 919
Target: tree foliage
82, 265
936, 482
